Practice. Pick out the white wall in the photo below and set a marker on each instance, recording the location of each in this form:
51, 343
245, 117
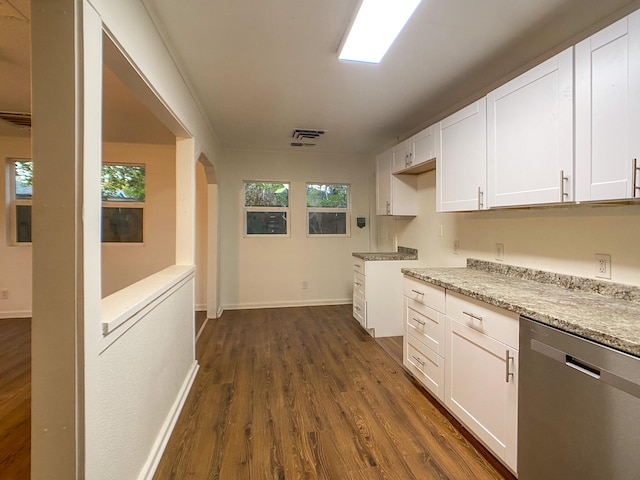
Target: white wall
201, 238
261, 271
124, 264
558, 239
15, 260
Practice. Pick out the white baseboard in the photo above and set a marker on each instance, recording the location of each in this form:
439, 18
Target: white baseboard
297, 303
16, 314
150, 466
201, 307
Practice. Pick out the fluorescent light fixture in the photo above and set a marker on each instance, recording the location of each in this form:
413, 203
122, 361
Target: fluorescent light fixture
375, 28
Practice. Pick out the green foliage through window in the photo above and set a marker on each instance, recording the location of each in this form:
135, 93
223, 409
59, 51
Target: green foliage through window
327, 209
327, 196
261, 194
24, 179
123, 183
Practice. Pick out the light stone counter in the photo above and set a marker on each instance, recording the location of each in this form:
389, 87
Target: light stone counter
604, 312
403, 253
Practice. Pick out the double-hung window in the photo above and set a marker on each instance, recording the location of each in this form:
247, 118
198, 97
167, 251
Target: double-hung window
20, 193
328, 209
266, 208
123, 200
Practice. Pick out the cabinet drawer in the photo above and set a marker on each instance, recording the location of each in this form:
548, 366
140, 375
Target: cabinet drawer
421, 292
425, 324
360, 310
492, 321
359, 265
425, 365
359, 284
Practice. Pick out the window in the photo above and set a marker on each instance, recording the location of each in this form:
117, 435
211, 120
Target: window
20, 191
123, 197
328, 209
266, 208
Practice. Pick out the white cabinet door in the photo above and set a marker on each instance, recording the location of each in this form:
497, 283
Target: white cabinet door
383, 183
608, 112
400, 157
461, 159
395, 194
422, 147
481, 388
530, 136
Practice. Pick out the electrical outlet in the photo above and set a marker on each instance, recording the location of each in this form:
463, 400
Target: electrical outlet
4, 294
456, 246
305, 285
440, 230
500, 252
603, 265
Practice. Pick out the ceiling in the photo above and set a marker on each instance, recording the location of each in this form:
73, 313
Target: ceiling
125, 118
261, 69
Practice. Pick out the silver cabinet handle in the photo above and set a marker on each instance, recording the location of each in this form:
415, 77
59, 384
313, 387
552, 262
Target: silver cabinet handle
480, 198
388, 207
418, 321
357, 307
418, 292
358, 284
634, 182
508, 372
356, 265
563, 179
421, 362
472, 315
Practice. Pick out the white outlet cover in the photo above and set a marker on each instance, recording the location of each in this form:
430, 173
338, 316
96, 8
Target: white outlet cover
603, 265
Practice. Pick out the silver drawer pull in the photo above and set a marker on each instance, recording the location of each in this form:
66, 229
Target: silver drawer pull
421, 362
418, 292
356, 265
357, 307
508, 372
419, 321
358, 284
472, 315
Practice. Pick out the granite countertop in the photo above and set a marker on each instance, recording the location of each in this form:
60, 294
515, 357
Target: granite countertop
403, 253
604, 312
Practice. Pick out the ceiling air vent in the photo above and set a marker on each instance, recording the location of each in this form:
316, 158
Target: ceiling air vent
303, 135
306, 134
20, 120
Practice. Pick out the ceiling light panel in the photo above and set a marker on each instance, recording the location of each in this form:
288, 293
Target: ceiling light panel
375, 28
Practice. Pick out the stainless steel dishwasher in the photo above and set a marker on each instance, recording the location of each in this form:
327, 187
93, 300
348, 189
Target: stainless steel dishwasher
578, 408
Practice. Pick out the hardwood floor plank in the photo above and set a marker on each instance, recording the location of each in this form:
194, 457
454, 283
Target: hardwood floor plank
306, 393
15, 398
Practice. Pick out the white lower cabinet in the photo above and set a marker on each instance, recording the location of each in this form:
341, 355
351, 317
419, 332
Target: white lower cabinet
468, 360
481, 388
377, 295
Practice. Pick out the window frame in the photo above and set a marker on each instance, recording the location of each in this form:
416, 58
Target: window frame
346, 211
133, 205
14, 202
266, 209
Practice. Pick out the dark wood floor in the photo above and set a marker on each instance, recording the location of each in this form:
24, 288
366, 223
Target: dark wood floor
306, 393
15, 398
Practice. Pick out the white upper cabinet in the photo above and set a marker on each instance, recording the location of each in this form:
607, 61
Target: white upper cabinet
530, 136
395, 194
608, 112
416, 154
461, 159
400, 157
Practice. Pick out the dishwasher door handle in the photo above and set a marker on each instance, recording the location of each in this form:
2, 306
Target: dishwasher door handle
601, 375
582, 367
